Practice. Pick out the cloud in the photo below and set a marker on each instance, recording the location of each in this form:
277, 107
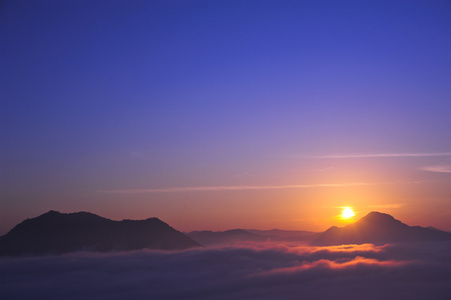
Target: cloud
383, 155
235, 188
392, 205
330, 264
253, 271
438, 168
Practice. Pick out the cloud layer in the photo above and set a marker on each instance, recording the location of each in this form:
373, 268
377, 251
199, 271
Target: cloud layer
251, 271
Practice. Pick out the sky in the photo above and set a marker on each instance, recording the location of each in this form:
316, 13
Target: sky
213, 115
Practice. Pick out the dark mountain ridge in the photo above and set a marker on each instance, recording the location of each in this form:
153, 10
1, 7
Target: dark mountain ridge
251, 235
56, 233
278, 235
379, 228
224, 237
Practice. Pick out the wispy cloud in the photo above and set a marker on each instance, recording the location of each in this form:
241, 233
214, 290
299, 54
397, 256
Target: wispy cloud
438, 168
393, 205
384, 155
236, 188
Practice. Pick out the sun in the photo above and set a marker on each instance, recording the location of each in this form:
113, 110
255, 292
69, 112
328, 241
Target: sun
347, 213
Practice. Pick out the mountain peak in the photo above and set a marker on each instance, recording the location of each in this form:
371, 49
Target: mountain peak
379, 228
375, 218
51, 213
378, 216
55, 232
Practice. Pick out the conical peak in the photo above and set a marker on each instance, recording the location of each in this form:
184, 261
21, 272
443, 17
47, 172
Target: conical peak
378, 219
375, 215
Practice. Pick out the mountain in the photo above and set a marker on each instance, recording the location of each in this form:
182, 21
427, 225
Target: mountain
56, 233
225, 237
278, 235
379, 228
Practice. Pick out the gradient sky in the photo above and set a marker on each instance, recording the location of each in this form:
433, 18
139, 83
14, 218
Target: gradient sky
226, 114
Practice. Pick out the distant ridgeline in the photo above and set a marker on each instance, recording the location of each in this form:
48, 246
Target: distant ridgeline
56, 233
375, 228
210, 238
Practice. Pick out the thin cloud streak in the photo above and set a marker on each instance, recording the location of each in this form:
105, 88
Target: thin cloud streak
237, 188
393, 205
383, 155
438, 169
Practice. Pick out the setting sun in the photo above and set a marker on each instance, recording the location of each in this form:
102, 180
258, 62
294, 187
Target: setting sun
347, 213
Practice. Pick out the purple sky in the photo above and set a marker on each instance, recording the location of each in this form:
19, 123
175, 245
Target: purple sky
225, 114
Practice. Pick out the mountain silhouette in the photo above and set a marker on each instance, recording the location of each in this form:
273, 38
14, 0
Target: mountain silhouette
278, 235
56, 233
379, 228
225, 237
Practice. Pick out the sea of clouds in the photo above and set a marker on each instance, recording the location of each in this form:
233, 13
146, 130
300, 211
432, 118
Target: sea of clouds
244, 271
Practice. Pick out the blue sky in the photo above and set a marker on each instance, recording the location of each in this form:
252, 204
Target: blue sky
101, 96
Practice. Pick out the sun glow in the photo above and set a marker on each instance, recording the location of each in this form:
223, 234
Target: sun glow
347, 213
